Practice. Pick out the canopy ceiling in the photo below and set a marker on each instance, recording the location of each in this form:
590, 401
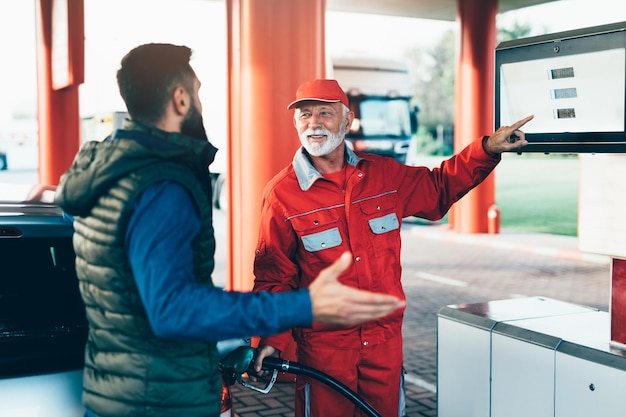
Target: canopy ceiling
424, 9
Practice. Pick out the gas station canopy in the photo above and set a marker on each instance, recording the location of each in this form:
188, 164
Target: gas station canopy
424, 9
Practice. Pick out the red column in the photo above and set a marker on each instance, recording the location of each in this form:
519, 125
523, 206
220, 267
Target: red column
60, 69
474, 103
618, 301
273, 46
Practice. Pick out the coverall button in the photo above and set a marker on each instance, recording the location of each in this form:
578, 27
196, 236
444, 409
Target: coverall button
360, 174
323, 245
377, 207
316, 222
365, 343
358, 259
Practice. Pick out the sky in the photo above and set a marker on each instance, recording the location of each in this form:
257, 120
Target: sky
112, 28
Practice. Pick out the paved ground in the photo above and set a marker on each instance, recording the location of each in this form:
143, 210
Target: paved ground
441, 268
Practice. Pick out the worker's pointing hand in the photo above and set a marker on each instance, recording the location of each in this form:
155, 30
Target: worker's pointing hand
508, 138
337, 304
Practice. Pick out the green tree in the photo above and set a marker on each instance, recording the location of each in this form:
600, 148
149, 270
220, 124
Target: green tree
435, 87
433, 79
518, 31
433, 71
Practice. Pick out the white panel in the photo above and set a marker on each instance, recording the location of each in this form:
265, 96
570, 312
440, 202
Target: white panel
590, 328
585, 388
463, 363
522, 382
601, 203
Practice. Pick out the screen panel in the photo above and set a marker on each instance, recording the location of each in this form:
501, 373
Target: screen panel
574, 83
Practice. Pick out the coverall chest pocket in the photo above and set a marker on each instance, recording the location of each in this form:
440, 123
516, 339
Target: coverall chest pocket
381, 227
380, 213
387, 223
318, 231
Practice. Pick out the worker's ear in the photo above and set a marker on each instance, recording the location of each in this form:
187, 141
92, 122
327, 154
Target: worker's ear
349, 120
181, 101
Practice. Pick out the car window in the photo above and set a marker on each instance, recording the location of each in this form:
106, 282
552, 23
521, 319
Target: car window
42, 316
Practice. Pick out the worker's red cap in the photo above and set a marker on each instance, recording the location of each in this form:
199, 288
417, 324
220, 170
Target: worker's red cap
320, 90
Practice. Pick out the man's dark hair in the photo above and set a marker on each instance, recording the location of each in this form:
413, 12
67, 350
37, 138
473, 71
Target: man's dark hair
148, 76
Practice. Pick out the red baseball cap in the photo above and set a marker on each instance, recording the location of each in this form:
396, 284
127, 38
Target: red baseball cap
328, 91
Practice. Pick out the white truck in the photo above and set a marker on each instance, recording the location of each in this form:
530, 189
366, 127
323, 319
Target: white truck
380, 93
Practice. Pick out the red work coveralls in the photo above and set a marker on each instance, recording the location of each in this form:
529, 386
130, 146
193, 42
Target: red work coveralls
308, 221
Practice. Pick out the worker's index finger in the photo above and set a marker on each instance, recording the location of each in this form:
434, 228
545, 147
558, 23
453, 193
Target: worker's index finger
522, 122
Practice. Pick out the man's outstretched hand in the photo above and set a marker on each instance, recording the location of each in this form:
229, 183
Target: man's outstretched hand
337, 304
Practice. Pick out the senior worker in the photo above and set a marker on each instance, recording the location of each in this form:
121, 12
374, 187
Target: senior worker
330, 200
145, 249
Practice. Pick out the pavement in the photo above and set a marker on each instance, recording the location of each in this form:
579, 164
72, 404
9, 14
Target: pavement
442, 267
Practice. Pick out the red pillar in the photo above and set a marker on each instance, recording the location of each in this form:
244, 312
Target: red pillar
60, 69
618, 301
474, 103
270, 52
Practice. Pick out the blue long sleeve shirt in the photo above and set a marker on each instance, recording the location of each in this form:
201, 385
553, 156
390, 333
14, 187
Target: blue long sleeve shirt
158, 242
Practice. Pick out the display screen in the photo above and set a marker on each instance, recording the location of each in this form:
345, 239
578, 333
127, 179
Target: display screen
585, 96
574, 83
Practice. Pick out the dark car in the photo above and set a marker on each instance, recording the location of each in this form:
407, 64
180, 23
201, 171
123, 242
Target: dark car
43, 327
42, 318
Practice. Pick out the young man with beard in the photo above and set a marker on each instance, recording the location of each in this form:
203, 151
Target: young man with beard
145, 246
330, 200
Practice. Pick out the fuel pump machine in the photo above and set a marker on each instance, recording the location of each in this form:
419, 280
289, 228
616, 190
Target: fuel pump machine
538, 356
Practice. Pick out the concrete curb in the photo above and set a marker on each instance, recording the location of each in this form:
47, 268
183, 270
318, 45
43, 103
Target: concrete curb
565, 247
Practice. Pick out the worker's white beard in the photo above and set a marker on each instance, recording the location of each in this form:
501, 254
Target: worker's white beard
321, 149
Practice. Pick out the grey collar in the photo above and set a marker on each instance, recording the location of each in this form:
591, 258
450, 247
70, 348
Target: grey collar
306, 172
